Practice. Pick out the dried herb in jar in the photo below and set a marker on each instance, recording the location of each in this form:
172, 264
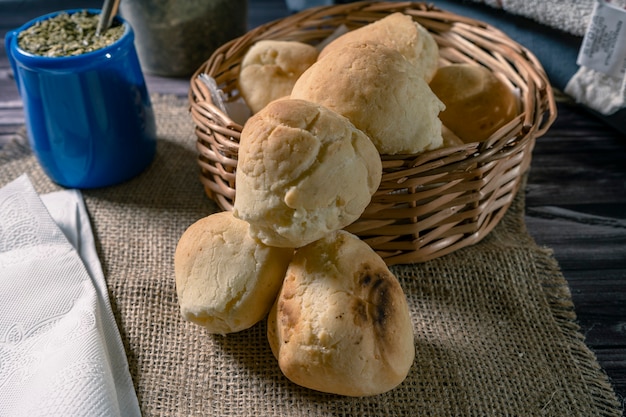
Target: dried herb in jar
174, 37
67, 35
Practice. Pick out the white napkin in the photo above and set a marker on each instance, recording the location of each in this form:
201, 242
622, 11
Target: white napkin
61, 353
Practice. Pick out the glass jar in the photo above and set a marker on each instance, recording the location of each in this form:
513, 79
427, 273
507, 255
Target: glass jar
174, 37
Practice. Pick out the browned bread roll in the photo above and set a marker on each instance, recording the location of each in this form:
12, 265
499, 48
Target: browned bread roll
270, 68
341, 322
380, 92
303, 171
450, 139
225, 280
400, 32
477, 102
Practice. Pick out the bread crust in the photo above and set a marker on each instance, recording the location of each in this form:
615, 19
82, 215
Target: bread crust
478, 103
270, 68
380, 92
341, 322
225, 280
400, 32
303, 171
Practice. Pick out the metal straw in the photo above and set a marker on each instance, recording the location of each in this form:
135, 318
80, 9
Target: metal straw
109, 10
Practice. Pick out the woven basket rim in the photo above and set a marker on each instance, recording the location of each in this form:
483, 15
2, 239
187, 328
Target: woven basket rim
416, 9
461, 39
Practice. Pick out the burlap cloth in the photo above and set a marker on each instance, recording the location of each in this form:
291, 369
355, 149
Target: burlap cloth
495, 330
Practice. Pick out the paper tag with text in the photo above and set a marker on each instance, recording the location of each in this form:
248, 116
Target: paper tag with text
604, 44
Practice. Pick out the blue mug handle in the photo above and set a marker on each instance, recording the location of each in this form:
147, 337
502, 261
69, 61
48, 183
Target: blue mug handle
8, 46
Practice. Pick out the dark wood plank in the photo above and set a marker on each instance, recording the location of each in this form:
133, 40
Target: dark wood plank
581, 241
578, 161
576, 205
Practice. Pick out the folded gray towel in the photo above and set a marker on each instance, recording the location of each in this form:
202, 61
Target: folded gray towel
571, 16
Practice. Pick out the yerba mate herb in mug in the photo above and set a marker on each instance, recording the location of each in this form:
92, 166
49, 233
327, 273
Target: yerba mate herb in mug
88, 113
67, 35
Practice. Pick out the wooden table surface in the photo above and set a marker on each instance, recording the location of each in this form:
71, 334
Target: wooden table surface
576, 194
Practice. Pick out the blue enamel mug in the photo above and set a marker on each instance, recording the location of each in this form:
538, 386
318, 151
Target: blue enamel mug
89, 118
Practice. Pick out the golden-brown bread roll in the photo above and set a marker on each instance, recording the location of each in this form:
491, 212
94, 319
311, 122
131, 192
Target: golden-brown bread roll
477, 102
400, 32
341, 322
450, 139
225, 280
270, 68
303, 171
380, 93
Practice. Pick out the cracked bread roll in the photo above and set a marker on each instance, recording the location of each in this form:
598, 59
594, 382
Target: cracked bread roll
270, 68
303, 171
341, 322
380, 93
400, 32
225, 280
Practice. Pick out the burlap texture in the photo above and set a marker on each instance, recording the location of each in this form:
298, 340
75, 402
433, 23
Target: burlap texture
495, 330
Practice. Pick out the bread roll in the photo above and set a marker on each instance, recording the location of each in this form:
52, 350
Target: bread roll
341, 323
450, 139
303, 171
400, 32
270, 68
477, 102
380, 93
225, 280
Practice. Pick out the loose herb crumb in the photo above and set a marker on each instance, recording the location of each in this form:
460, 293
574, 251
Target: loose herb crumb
67, 35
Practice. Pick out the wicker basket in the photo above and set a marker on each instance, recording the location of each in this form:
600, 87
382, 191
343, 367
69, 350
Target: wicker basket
429, 204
